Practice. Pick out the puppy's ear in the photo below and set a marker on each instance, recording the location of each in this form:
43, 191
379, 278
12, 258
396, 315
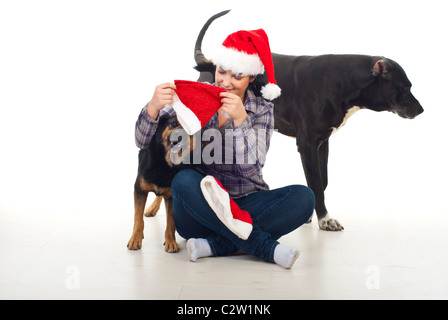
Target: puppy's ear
380, 69
160, 128
163, 120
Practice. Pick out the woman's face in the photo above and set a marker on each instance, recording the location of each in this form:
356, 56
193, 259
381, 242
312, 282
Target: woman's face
233, 83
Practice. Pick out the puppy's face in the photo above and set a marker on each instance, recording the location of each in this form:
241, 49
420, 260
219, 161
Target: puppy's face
177, 143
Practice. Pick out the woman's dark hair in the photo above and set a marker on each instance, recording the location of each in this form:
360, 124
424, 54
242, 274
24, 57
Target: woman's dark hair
260, 81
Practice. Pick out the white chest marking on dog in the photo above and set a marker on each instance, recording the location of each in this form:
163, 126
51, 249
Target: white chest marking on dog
349, 113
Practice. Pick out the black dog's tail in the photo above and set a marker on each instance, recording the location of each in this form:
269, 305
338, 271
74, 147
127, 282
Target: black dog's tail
203, 65
198, 55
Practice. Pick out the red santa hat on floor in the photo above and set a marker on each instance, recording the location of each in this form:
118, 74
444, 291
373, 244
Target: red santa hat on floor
195, 103
236, 220
248, 52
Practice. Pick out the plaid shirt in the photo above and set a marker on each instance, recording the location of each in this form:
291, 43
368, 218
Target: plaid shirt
244, 148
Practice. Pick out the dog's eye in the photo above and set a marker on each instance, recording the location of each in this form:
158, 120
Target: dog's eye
174, 124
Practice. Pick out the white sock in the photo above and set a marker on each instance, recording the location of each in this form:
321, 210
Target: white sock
198, 248
285, 256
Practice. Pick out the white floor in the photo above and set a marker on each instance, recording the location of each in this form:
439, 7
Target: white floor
85, 257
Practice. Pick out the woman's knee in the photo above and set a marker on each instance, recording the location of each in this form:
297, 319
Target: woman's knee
184, 180
305, 199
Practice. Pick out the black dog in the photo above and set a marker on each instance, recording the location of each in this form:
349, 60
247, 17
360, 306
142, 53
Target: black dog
319, 94
155, 173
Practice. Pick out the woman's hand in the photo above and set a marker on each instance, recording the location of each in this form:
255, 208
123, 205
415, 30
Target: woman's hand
163, 95
233, 106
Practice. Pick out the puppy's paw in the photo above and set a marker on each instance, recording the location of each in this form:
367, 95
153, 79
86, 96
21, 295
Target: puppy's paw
136, 242
151, 212
171, 246
329, 224
154, 207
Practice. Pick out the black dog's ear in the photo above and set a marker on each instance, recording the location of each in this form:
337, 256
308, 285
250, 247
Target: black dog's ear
380, 69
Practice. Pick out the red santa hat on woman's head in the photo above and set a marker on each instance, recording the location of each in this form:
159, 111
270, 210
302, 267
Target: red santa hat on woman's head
248, 52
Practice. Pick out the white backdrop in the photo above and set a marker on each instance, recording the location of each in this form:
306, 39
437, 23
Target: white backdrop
74, 76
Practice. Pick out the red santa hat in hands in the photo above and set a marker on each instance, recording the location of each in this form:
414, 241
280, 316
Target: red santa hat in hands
249, 53
236, 220
195, 103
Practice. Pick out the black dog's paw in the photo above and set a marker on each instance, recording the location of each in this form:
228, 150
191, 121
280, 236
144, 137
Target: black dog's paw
329, 224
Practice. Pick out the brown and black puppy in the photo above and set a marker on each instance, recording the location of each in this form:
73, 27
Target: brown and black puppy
156, 170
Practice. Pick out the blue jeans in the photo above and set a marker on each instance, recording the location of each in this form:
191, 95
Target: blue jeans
274, 214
